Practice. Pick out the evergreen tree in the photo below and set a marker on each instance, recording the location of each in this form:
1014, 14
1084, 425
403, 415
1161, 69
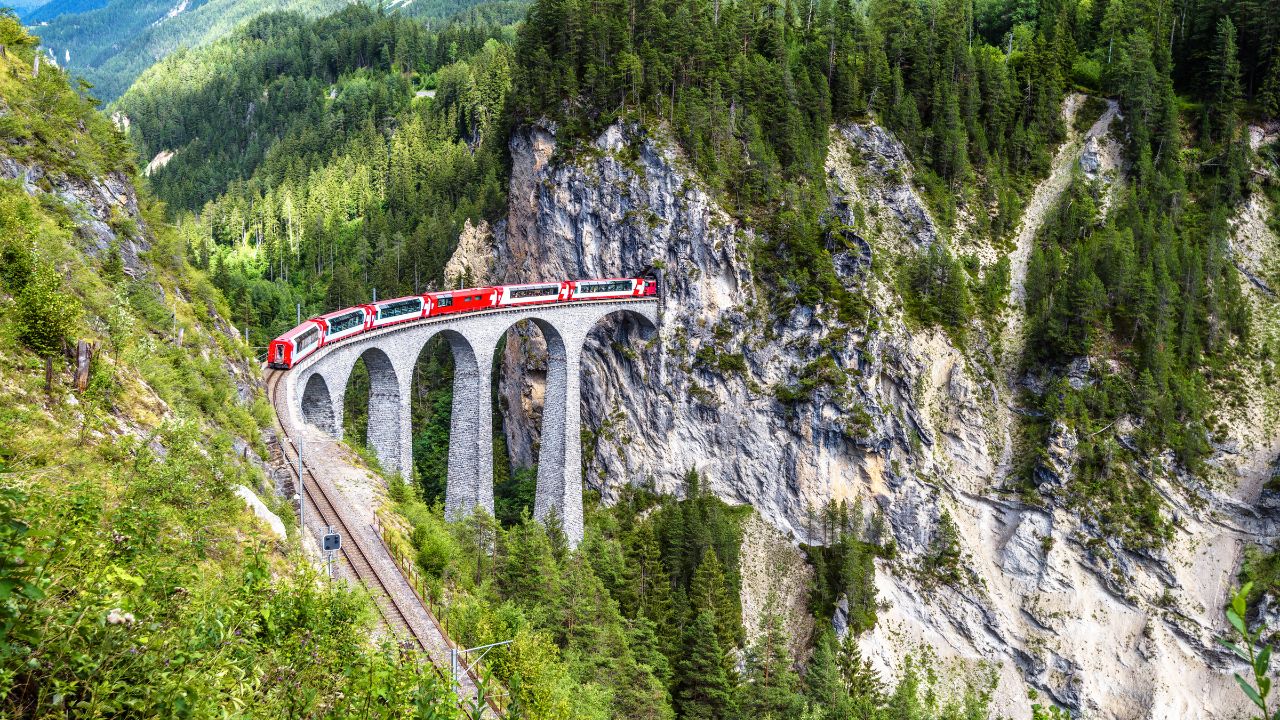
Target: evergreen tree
46, 314
703, 690
709, 592
862, 683
1225, 89
823, 681
944, 556
770, 688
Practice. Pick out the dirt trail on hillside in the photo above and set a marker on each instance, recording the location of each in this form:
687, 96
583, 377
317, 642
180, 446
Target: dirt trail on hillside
1042, 201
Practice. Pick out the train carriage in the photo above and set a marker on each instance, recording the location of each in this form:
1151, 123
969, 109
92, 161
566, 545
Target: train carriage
345, 323
285, 351
398, 310
606, 288
456, 301
533, 293
294, 345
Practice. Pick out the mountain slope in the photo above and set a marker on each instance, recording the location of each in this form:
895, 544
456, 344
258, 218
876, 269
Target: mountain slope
44, 12
132, 577
111, 43
835, 333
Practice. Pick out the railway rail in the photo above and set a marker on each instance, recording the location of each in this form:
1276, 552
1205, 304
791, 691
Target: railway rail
390, 607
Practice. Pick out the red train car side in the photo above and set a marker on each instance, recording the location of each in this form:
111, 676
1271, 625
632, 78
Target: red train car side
287, 350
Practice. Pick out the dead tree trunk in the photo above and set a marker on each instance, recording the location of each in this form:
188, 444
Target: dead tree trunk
84, 355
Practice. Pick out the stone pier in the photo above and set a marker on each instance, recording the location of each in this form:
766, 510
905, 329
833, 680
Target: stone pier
316, 386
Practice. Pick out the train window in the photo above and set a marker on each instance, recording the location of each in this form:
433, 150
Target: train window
444, 300
307, 339
535, 291
346, 322
604, 287
396, 309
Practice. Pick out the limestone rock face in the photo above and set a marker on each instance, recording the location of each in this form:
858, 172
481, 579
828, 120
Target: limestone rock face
897, 416
472, 261
97, 201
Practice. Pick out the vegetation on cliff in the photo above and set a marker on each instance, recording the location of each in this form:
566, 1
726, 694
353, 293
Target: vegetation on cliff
133, 582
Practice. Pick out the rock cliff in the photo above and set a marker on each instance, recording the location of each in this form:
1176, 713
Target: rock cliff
788, 414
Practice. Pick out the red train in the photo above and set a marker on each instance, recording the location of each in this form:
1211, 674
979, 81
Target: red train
317, 332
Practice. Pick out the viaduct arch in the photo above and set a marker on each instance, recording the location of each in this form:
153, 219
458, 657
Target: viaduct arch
316, 386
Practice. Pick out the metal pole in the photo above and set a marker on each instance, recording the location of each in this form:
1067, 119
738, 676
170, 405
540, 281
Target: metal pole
328, 529
299, 314
453, 667
375, 294
302, 495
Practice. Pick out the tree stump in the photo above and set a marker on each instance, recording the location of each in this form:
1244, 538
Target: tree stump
84, 355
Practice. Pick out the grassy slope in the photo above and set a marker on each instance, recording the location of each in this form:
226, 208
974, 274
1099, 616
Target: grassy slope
133, 582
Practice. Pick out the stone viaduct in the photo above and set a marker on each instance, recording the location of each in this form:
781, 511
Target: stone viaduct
315, 388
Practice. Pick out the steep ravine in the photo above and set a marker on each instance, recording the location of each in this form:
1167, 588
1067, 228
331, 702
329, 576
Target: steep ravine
913, 425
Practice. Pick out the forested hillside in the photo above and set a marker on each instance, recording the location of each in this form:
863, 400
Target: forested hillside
974, 92
309, 166
111, 43
314, 162
133, 581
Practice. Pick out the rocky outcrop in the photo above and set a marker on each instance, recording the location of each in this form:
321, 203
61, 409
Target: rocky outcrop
789, 413
472, 261
104, 208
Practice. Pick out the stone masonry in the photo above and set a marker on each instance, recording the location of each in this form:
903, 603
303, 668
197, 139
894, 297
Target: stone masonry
316, 386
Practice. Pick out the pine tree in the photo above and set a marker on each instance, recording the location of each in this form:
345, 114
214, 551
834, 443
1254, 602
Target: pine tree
647, 586
709, 592
1225, 85
47, 314
703, 691
944, 556
529, 570
861, 681
770, 687
647, 648
823, 681
858, 577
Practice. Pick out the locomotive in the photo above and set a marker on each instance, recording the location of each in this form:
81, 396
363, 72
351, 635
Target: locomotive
296, 344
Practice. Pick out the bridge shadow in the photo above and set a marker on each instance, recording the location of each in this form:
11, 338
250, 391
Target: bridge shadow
317, 404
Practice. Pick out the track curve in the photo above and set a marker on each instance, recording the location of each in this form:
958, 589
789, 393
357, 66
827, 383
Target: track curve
390, 606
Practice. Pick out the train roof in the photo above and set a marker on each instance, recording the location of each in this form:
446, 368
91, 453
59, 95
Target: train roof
343, 311
464, 291
294, 332
399, 299
536, 284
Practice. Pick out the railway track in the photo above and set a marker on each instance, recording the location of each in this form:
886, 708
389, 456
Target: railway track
393, 615
390, 607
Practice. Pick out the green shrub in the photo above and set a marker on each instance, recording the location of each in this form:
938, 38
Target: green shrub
47, 313
935, 288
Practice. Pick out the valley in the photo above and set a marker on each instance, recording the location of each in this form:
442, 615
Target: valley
960, 401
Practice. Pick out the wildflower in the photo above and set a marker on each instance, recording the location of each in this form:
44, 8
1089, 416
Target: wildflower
118, 617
